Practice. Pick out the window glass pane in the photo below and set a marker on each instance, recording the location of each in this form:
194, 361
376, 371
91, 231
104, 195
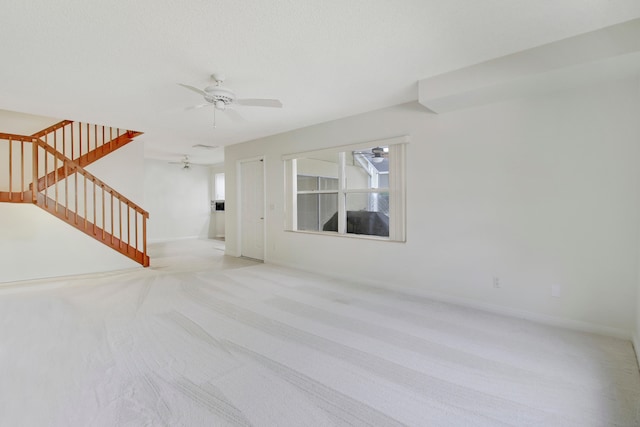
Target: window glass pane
328, 183
307, 183
308, 212
368, 213
324, 165
316, 210
328, 211
383, 180
364, 167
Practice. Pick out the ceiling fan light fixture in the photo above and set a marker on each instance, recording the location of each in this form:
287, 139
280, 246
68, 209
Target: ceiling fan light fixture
377, 159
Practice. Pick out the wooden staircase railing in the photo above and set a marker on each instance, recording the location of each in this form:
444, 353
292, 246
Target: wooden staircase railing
72, 194
83, 142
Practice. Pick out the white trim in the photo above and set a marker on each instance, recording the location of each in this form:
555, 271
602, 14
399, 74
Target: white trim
350, 147
173, 239
560, 322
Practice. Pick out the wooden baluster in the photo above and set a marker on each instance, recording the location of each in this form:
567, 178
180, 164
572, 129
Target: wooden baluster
79, 139
113, 233
66, 190
34, 172
64, 141
22, 171
128, 227
95, 218
72, 142
120, 219
88, 138
95, 139
110, 138
75, 177
103, 226
46, 177
102, 145
135, 215
10, 168
55, 180
85, 201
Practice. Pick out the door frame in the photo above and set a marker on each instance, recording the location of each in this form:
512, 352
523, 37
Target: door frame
240, 207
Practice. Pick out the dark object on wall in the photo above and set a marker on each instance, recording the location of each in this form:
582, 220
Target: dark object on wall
361, 222
219, 206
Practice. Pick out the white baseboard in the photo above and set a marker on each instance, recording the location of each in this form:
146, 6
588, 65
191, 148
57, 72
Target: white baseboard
172, 239
560, 322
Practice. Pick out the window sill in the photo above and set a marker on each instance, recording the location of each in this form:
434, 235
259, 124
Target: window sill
348, 235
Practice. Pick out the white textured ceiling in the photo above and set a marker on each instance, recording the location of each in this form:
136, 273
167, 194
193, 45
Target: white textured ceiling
118, 62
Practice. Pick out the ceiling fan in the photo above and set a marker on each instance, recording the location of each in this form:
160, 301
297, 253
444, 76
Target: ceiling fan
223, 99
186, 164
376, 154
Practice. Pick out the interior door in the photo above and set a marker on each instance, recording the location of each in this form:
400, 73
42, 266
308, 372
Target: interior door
252, 209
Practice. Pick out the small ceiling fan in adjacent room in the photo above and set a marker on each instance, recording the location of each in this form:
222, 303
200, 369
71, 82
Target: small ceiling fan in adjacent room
375, 155
186, 164
223, 99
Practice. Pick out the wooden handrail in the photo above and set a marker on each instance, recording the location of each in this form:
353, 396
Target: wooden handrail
89, 141
52, 128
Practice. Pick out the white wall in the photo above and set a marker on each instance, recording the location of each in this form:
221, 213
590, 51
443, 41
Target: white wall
178, 200
24, 124
34, 244
540, 192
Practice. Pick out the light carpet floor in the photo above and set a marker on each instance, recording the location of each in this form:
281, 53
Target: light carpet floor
200, 339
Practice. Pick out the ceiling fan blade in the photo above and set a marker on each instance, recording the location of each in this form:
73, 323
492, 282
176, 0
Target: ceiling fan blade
274, 103
195, 107
233, 115
195, 89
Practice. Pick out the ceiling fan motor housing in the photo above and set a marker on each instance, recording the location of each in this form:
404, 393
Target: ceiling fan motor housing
214, 94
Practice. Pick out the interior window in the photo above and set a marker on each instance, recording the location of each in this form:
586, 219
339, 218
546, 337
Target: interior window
356, 190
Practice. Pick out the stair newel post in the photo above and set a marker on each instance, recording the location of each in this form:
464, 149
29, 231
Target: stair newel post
34, 172
144, 240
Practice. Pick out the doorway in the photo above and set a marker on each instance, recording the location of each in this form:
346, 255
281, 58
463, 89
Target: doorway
251, 208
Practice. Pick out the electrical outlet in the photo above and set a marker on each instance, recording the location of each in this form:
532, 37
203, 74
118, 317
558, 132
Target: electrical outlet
496, 282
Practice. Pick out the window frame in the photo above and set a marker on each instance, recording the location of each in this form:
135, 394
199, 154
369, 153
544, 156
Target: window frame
396, 188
